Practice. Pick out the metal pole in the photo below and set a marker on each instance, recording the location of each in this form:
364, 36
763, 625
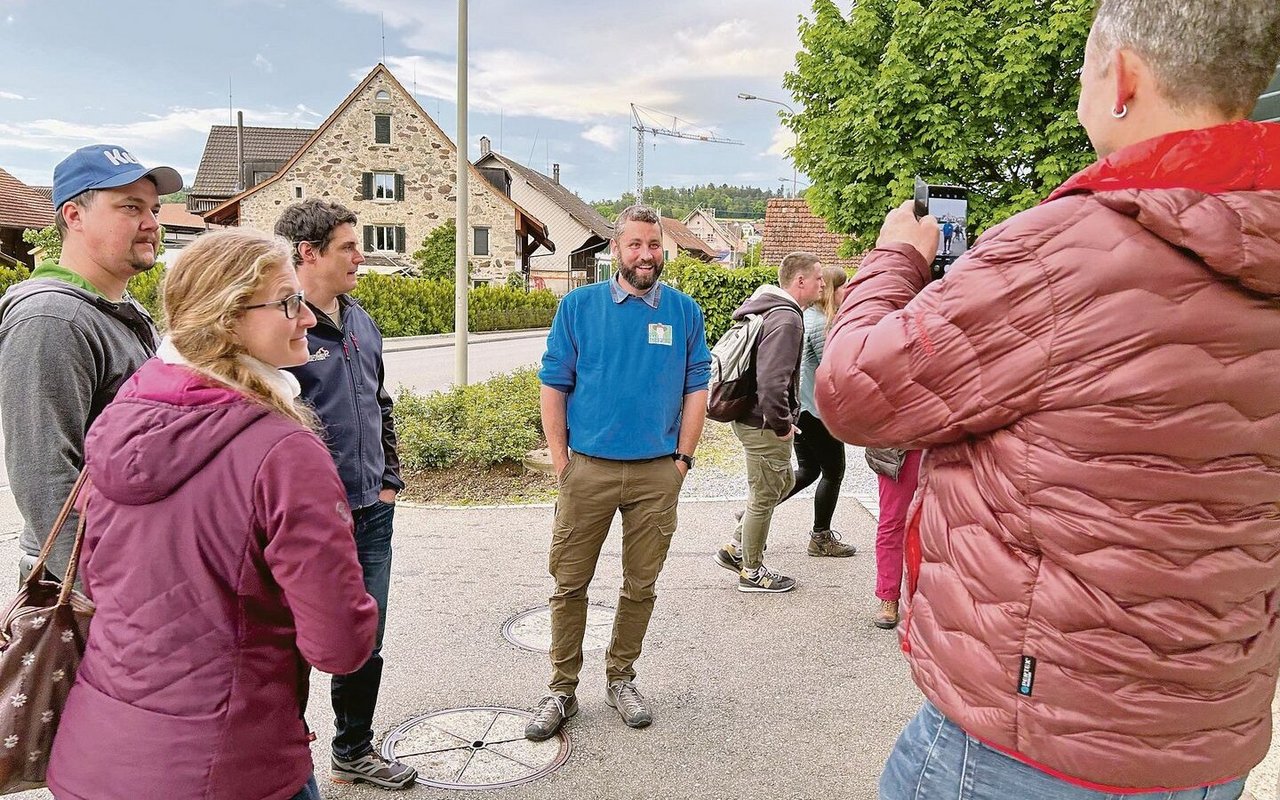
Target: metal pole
792, 112
461, 226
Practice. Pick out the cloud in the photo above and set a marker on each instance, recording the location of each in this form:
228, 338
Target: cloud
11, 96
783, 140
260, 61
606, 136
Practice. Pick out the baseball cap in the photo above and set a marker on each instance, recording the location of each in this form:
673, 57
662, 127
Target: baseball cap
106, 166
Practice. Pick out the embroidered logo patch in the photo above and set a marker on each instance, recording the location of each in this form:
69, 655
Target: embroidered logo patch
319, 355
660, 334
1027, 676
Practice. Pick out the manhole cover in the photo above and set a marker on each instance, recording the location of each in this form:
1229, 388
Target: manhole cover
531, 629
474, 748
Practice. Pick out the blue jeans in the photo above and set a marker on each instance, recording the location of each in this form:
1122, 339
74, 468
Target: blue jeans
309, 791
356, 695
934, 758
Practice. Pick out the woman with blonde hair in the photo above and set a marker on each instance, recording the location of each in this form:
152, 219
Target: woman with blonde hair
819, 454
218, 550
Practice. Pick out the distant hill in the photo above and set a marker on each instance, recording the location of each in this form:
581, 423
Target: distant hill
734, 202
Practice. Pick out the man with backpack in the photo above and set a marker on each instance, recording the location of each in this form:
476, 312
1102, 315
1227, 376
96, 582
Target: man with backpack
766, 425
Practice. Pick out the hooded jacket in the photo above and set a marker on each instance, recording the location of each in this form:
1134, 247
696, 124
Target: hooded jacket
219, 553
1093, 556
64, 353
777, 359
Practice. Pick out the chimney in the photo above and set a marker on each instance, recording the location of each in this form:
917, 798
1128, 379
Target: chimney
555, 174
239, 151
484, 145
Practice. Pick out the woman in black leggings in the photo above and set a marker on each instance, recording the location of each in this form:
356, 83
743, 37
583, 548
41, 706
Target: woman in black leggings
820, 455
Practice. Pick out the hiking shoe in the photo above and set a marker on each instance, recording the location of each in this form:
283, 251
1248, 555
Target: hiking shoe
624, 696
888, 616
764, 580
374, 769
827, 543
729, 557
551, 713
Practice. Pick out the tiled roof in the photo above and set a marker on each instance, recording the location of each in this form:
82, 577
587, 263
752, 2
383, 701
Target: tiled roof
44, 191
790, 225
175, 215
21, 206
573, 205
727, 231
685, 238
217, 174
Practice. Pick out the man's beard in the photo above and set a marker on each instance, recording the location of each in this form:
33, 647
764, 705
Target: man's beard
143, 266
641, 282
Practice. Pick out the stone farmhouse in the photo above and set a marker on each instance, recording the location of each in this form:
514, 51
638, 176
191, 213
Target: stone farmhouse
383, 157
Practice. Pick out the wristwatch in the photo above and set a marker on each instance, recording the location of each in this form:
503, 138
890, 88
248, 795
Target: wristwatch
688, 460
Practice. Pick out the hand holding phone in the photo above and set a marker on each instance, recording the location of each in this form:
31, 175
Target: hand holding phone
902, 226
949, 205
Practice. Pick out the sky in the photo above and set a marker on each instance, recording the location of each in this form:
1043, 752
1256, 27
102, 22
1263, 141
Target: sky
549, 82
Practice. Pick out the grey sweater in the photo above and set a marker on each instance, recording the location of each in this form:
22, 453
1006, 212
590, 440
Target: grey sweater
64, 353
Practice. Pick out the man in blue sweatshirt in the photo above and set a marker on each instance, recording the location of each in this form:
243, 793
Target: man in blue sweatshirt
624, 387
343, 382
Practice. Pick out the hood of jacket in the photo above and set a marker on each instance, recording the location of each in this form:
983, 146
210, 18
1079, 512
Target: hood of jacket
1213, 191
766, 298
167, 422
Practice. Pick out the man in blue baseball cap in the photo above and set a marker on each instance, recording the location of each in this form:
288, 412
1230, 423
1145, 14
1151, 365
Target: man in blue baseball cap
71, 335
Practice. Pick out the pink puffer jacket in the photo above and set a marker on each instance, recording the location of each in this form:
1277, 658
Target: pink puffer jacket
1095, 547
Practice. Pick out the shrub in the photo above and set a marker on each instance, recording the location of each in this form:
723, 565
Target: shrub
11, 275
478, 425
145, 288
417, 306
720, 290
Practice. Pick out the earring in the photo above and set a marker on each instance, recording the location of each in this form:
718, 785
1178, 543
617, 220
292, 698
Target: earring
1121, 112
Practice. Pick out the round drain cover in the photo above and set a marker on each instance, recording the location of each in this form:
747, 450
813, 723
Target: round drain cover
531, 629
481, 747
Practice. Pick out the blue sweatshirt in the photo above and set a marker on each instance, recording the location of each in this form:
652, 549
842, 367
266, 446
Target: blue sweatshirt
626, 368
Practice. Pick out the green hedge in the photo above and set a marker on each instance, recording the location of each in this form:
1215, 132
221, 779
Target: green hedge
417, 307
478, 425
720, 290
11, 275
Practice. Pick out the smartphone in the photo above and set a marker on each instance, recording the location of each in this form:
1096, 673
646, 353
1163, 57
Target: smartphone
950, 206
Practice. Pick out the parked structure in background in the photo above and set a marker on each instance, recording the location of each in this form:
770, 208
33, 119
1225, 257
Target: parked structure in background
722, 238
22, 207
382, 156
579, 231
239, 157
790, 225
1268, 109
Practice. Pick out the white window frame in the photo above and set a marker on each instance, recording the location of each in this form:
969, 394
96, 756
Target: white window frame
384, 235
384, 187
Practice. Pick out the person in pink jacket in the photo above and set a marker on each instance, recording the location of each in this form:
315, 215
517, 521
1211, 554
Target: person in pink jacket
218, 551
1093, 556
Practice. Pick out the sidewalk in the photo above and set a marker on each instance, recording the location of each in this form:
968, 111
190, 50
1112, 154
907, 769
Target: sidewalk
397, 344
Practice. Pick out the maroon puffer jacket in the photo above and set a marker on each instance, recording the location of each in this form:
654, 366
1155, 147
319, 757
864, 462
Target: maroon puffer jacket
1098, 384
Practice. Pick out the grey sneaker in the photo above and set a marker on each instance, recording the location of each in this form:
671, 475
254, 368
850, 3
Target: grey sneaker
827, 543
551, 713
764, 580
624, 696
373, 769
729, 557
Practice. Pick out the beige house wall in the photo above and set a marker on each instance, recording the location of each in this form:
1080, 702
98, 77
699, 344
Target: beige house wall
332, 167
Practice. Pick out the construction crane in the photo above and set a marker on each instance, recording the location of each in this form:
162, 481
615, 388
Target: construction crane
641, 125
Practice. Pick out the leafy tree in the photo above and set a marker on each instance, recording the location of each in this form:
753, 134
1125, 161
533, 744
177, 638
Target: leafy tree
437, 257
980, 93
47, 240
747, 202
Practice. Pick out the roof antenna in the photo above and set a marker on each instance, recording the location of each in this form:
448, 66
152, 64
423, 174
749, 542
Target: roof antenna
231, 118
384, 37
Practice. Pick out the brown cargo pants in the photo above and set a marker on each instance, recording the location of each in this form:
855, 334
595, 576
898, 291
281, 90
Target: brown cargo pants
591, 491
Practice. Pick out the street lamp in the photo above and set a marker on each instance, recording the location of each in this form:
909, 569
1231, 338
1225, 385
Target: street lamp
792, 112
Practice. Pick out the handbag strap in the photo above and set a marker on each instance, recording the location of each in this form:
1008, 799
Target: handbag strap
73, 566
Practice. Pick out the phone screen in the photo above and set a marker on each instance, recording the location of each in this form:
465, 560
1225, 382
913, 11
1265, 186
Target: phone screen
950, 207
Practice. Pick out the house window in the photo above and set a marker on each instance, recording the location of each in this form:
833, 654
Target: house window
259, 176
384, 238
297, 191
382, 129
480, 242
382, 94
382, 186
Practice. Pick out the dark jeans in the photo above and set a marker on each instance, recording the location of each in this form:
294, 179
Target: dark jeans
355, 695
818, 454
309, 791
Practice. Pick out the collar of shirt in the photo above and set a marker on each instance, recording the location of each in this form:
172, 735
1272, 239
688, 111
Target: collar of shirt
620, 294
52, 269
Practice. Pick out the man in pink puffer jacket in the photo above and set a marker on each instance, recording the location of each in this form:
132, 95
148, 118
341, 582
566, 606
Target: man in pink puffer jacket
1093, 558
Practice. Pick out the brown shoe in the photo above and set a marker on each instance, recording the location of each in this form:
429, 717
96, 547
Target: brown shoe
827, 543
888, 616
